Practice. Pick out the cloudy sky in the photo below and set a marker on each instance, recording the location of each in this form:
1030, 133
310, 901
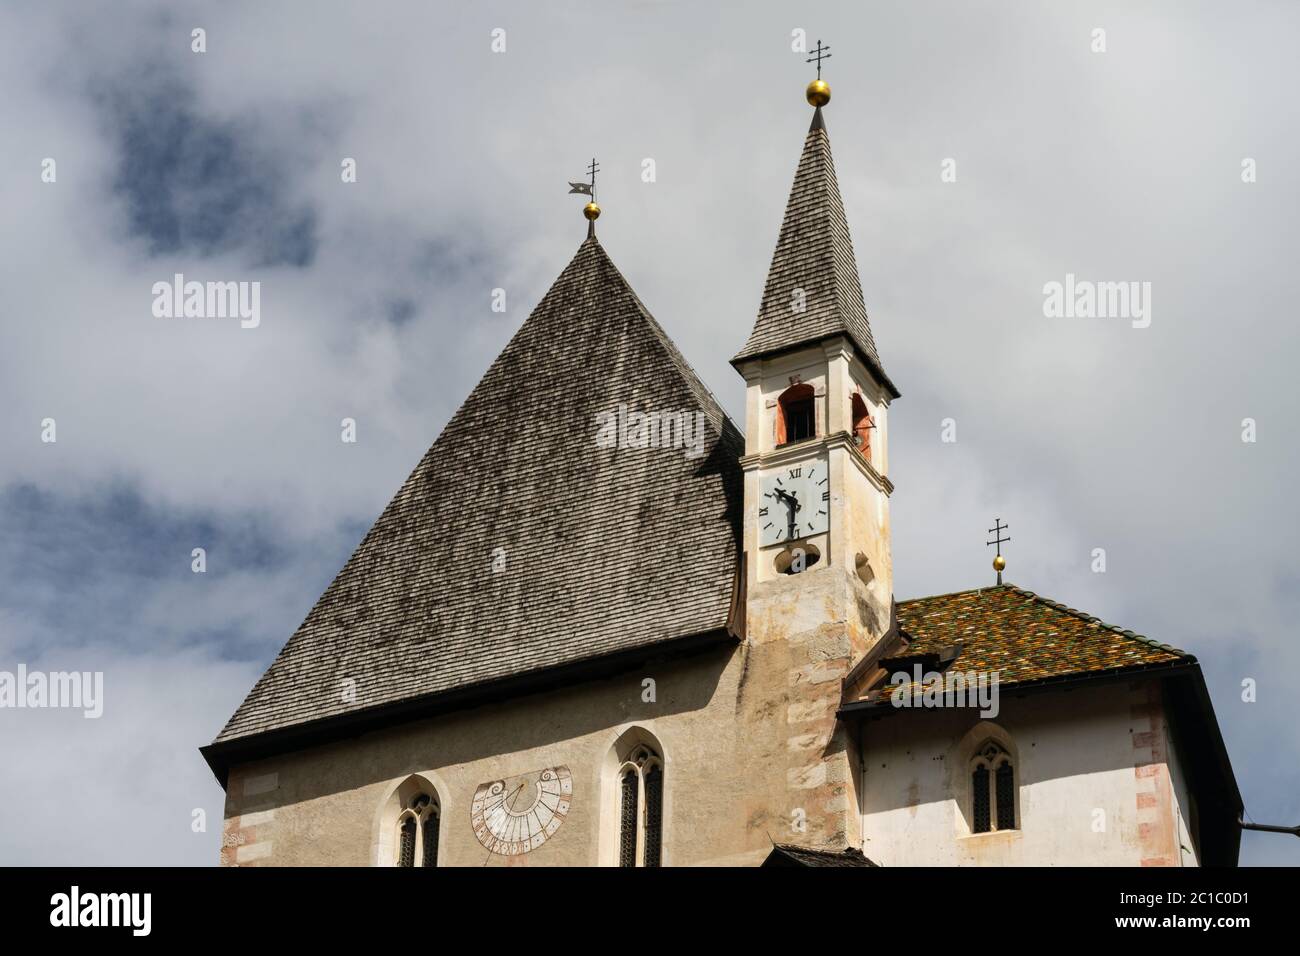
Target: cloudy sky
1123, 165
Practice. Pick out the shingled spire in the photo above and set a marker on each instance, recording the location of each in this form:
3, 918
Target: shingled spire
814, 254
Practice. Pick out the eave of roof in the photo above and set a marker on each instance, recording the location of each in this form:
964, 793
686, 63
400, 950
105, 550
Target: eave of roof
221, 755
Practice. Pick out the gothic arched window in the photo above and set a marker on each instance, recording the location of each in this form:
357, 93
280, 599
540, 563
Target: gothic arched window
641, 800
420, 819
993, 790
796, 417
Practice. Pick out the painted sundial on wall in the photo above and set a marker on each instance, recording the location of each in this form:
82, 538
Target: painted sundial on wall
519, 814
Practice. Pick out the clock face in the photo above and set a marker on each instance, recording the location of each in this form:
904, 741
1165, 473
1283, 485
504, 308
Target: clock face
521, 813
794, 502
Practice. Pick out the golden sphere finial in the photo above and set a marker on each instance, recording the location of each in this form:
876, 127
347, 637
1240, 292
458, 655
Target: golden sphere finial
999, 564
818, 93
591, 211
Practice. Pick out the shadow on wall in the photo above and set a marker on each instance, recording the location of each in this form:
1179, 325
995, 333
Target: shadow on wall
683, 684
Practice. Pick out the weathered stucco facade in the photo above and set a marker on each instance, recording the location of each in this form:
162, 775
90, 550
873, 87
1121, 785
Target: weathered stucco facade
744, 733
1095, 783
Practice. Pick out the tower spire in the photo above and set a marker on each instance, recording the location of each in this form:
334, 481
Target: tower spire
813, 292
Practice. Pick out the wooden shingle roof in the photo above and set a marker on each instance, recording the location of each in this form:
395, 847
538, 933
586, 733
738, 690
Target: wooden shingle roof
814, 253
605, 549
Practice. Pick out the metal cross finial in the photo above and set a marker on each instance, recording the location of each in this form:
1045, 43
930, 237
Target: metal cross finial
593, 169
819, 54
996, 531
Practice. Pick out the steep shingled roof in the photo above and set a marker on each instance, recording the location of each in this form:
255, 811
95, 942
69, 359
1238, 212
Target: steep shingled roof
814, 253
1021, 635
606, 549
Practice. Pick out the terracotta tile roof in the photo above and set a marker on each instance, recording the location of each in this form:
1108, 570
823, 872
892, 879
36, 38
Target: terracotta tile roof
1021, 635
813, 253
606, 549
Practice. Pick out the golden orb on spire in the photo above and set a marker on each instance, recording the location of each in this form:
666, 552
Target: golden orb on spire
591, 211
999, 564
818, 93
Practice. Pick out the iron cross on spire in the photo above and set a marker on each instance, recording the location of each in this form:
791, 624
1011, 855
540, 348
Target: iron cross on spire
819, 54
999, 562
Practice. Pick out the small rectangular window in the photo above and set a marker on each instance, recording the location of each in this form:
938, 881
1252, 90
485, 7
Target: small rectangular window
628, 821
406, 849
654, 796
799, 421
1006, 797
982, 821
430, 840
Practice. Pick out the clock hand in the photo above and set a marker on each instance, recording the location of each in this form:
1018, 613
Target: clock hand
792, 505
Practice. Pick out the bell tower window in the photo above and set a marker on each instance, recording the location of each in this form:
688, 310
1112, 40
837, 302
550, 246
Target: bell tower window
862, 425
796, 418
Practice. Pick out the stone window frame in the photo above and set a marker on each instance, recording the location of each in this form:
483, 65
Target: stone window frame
418, 796
798, 392
639, 763
992, 757
637, 748
862, 422
961, 760
425, 811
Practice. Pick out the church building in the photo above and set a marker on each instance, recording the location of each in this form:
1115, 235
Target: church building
619, 631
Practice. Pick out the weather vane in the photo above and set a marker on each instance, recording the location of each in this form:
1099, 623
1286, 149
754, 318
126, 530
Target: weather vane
999, 563
591, 210
819, 91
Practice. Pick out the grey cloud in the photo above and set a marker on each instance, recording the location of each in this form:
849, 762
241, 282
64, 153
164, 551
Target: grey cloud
1121, 166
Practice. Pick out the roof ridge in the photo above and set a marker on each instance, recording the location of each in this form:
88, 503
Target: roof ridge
942, 594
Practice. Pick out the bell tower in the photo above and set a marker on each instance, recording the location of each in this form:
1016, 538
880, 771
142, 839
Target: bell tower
817, 406
819, 573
